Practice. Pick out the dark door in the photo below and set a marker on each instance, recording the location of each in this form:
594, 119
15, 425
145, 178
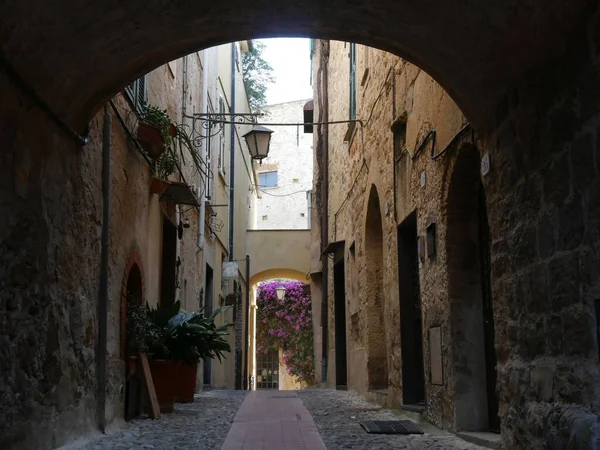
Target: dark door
488, 313
411, 328
208, 302
169, 263
339, 287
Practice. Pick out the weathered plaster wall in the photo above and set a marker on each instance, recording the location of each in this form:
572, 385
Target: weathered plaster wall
285, 206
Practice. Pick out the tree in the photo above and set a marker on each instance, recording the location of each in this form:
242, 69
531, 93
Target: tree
257, 75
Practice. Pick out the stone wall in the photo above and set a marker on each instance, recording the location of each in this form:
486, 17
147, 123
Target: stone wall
541, 206
53, 201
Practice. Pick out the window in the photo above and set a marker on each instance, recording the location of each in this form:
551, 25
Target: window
221, 164
136, 94
352, 103
267, 179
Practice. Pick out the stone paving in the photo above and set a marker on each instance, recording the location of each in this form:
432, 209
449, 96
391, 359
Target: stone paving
267, 423
337, 415
202, 425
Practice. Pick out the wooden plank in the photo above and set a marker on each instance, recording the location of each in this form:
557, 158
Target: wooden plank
154, 408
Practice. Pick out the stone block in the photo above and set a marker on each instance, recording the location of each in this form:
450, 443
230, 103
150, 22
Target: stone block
578, 331
556, 179
542, 383
546, 236
582, 161
571, 224
563, 276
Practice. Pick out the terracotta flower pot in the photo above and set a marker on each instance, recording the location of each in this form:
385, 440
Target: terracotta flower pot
158, 186
185, 383
164, 375
151, 140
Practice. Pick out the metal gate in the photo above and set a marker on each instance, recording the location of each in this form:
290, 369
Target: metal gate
267, 370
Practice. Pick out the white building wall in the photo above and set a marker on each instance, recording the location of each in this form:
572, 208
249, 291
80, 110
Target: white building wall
286, 206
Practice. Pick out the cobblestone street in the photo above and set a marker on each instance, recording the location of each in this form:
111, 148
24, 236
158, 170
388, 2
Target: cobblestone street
202, 425
337, 415
205, 424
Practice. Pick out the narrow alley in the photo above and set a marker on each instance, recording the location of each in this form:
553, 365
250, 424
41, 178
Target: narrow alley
313, 419
216, 236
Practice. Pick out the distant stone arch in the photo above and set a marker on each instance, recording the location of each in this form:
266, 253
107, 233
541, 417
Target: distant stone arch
377, 372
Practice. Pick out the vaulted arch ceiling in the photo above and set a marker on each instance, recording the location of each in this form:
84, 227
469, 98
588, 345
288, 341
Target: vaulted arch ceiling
76, 54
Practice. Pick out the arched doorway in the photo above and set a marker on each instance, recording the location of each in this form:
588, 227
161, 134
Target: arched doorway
471, 309
133, 296
376, 340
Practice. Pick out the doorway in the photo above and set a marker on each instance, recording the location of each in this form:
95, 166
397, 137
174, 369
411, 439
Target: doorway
169, 264
339, 291
133, 385
468, 250
411, 328
489, 337
267, 370
208, 303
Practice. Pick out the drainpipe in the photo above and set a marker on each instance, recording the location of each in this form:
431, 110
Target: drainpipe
247, 324
325, 211
103, 282
204, 150
232, 154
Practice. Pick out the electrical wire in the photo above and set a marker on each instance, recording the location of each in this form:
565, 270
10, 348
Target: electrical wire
275, 195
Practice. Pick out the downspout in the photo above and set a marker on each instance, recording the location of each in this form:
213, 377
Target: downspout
202, 183
247, 324
232, 154
103, 282
236, 311
325, 211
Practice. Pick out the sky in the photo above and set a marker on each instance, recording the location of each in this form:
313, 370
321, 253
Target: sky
290, 59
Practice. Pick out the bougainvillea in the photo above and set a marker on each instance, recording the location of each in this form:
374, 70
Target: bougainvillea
287, 324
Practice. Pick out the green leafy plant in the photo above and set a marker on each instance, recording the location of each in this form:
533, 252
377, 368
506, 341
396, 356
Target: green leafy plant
186, 336
258, 74
165, 165
160, 119
142, 333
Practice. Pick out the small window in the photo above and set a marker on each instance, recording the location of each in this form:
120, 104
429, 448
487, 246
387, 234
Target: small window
265, 217
295, 180
267, 179
302, 214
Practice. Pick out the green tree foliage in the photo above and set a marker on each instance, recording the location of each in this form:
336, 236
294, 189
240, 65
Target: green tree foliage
258, 74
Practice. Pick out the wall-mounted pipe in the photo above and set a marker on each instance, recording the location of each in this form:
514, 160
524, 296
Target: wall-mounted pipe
232, 154
247, 324
103, 282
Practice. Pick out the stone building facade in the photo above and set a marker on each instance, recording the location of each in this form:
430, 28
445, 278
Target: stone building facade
285, 176
455, 282
151, 257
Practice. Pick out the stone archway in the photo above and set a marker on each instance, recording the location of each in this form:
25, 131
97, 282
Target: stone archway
469, 289
49, 44
377, 371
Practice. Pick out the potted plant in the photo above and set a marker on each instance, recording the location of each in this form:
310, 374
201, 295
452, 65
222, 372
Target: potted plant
164, 166
186, 337
155, 131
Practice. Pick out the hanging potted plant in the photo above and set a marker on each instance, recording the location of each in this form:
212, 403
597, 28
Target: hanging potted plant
164, 166
155, 131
